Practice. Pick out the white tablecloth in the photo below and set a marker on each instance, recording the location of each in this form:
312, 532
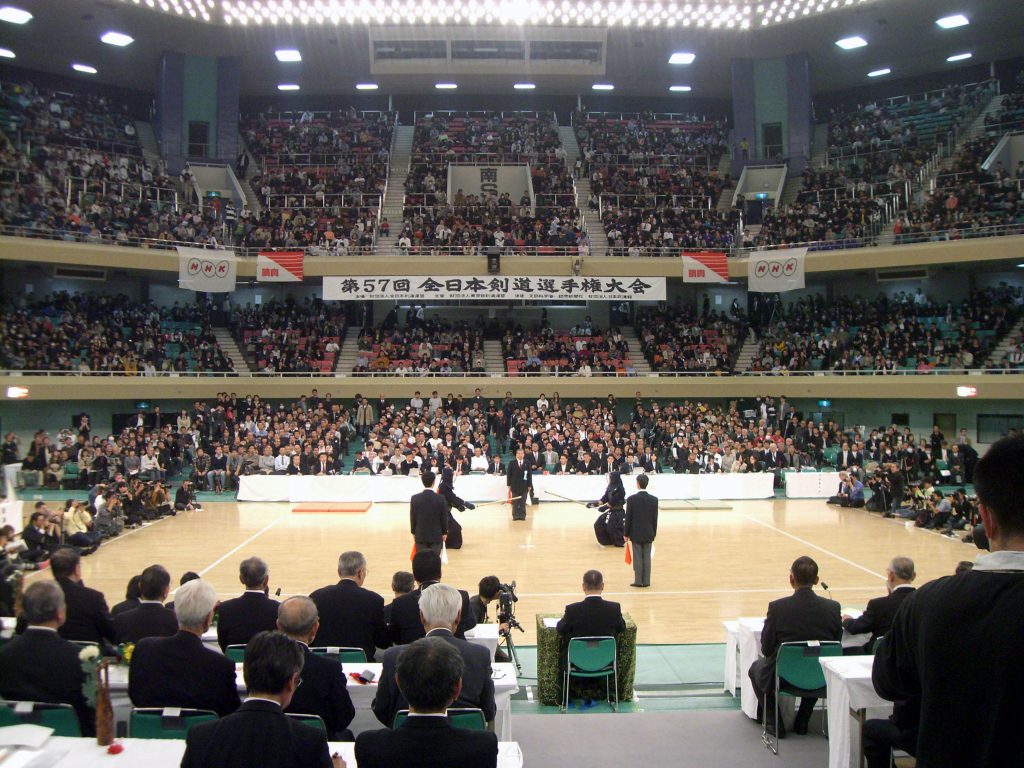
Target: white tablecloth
811, 485
167, 753
730, 676
849, 690
504, 674
299, 488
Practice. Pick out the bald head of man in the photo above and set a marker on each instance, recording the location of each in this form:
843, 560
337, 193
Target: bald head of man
298, 618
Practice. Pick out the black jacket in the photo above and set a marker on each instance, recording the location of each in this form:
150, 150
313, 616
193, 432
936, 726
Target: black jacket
324, 692
426, 742
801, 616
40, 665
260, 734
428, 517
125, 605
88, 617
519, 477
148, 620
877, 617
405, 623
179, 671
350, 616
592, 617
642, 517
240, 618
477, 685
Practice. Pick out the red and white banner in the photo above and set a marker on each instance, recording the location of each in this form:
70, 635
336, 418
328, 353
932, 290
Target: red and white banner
705, 267
776, 271
279, 267
206, 269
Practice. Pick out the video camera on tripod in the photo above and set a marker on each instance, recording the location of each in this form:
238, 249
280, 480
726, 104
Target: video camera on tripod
507, 600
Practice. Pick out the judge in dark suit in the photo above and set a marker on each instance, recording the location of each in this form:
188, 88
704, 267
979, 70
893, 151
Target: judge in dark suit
519, 479
428, 517
325, 692
40, 665
429, 675
801, 616
150, 618
351, 616
593, 616
87, 615
240, 618
877, 617
405, 623
259, 733
131, 597
179, 671
440, 608
641, 528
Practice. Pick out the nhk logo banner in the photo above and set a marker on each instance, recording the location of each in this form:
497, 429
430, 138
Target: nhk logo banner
209, 271
279, 267
776, 271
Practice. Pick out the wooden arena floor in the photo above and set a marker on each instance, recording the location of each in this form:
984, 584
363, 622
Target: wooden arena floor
709, 566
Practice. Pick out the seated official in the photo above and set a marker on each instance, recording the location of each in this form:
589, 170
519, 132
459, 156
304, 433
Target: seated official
259, 733
402, 583
131, 597
351, 615
87, 616
40, 665
406, 625
593, 616
325, 693
801, 616
429, 677
440, 607
240, 618
878, 615
150, 618
179, 671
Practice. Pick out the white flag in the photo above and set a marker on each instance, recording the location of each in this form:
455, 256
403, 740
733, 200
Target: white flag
444, 553
206, 270
776, 271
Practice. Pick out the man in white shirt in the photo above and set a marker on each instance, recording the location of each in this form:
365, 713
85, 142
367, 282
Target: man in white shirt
417, 402
281, 462
478, 462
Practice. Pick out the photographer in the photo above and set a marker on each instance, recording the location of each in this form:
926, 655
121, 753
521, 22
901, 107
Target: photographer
78, 527
487, 592
185, 498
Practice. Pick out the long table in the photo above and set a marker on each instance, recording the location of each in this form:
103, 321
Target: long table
399, 488
65, 752
851, 698
505, 685
810, 485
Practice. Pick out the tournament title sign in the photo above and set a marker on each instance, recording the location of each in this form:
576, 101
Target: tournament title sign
491, 288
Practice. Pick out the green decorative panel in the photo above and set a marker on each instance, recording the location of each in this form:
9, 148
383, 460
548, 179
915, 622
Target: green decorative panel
551, 659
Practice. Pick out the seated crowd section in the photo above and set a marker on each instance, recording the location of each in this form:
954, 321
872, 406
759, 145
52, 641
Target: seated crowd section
320, 178
424, 347
678, 340
885, 335
289, 337
544, 216
655, 180
583, 350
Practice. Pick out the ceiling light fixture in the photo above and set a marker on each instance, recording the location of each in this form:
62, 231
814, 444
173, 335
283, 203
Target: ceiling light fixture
681, 57
524, 86
680, 88
288, 87
84, 68
960, 57
850, 43
446, 86
6, 53
603, 87
952, 22
366, 86
288, 55
879, 72
13, 15
120, 39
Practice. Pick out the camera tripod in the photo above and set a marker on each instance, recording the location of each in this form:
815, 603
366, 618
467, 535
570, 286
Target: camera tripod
506, 638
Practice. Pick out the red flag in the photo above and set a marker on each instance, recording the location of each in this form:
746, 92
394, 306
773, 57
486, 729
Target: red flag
629, 554
413, 551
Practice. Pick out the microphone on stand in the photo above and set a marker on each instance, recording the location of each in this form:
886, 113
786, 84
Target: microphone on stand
825, 587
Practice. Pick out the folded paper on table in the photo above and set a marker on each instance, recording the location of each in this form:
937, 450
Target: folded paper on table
26, 735
550, 623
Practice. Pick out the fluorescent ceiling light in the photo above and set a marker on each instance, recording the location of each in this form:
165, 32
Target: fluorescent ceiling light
288, 54
13, 15
680, 88
366, 86
446, 86
879, 72
849, 43
84, 68
681, 57
524, 86
960, 57
952, 22
6, 53
287, 87
603, 87
117, 38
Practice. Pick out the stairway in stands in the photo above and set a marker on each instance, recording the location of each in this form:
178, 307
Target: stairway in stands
1007, 343
747, 354
494, 360
398, 170
636, 355
591, 220
230, 347
348, 353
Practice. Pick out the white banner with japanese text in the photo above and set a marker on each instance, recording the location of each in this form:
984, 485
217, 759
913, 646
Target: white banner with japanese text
424, 287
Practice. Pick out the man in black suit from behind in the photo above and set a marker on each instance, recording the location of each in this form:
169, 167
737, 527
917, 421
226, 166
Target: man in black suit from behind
428, 517
40, 665
240, 618
429, 676
877, 617
440, 608
259, 733
87, 615
325, 693
350, 615
641, 528
405, 623
131, 597
150, 618
799, 617
593, 616
179, 671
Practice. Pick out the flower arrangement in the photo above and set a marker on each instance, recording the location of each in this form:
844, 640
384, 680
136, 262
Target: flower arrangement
90, 659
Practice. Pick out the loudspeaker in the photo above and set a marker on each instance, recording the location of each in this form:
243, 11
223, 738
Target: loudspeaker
493, 261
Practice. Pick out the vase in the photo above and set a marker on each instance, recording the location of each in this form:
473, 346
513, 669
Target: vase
104, 709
